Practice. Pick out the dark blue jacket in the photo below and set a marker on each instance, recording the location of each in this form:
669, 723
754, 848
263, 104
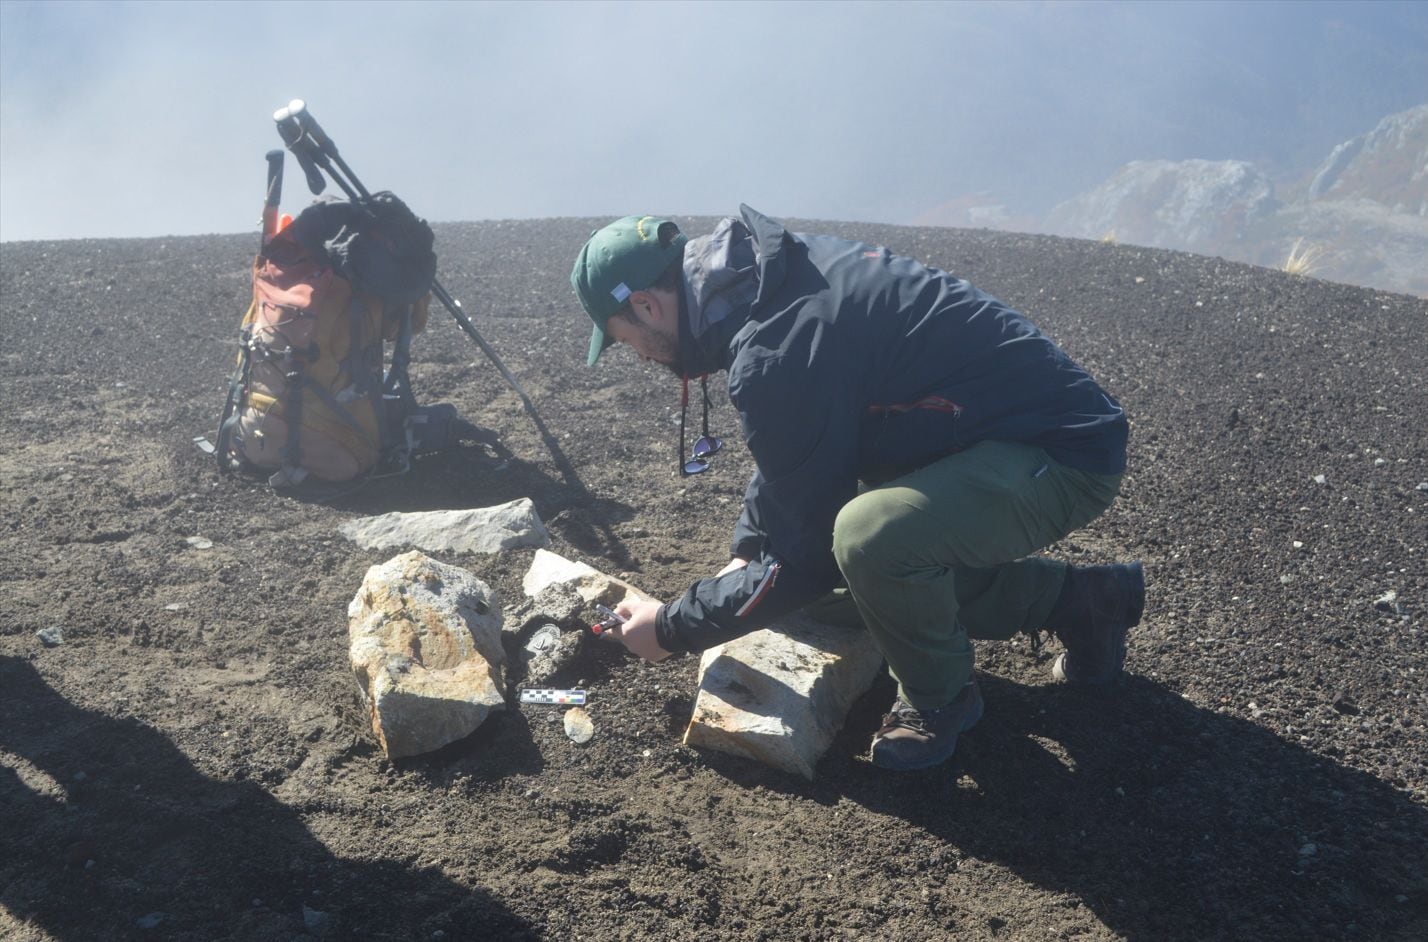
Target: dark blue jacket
848, 363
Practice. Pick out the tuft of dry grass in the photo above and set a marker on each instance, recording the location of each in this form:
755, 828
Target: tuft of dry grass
1304, 259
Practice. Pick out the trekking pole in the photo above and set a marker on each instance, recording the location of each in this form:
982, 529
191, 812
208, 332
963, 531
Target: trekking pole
313, 148
274, 197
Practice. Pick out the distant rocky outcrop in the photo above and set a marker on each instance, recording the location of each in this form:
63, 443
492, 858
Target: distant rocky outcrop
1192, 204
1388, 165
1364, 213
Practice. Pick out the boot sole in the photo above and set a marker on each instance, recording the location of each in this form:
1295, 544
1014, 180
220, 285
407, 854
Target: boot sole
1135, 608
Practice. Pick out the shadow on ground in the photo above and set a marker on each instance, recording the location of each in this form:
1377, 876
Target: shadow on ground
142, 833
1167, 820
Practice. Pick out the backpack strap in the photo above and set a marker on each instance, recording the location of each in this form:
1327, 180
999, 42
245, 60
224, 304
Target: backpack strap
228, 424
292, 471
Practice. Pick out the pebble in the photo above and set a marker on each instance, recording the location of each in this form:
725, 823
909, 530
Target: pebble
578, 725
1388, 602
1423, 486
1309, 850
1320, 479
1380, 462
316, 921
151, 921
175, 606
198, 542
51, 637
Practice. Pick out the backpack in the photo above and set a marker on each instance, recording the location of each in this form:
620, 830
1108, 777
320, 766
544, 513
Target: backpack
312, 393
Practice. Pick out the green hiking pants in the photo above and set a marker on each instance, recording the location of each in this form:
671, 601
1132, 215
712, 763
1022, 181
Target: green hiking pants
937, 557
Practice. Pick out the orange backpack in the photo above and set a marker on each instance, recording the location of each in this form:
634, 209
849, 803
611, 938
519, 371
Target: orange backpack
313, 394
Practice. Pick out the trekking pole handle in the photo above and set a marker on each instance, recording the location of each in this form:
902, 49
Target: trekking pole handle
297, 112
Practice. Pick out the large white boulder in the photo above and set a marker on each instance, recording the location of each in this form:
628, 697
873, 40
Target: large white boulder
780, 695
425, 645
478, 530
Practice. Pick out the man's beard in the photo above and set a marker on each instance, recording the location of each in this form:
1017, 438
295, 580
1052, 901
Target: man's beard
663, 349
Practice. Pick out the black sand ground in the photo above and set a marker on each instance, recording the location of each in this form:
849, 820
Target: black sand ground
1262, 772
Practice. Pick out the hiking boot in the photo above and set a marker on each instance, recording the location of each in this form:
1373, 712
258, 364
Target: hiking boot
1098, 605
919, 739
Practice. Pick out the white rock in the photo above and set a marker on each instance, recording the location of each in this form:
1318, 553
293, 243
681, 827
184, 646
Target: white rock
779, 695
1320, 479
425, 645
549, 569
578, 725
479, 530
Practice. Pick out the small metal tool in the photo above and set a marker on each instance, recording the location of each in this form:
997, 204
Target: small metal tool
609, 620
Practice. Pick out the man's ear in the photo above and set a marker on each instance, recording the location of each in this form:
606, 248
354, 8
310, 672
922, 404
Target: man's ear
648, 307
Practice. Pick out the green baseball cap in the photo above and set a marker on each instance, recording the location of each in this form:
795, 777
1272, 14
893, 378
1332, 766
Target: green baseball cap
626, 256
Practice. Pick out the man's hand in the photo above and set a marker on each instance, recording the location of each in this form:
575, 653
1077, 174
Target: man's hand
638, 631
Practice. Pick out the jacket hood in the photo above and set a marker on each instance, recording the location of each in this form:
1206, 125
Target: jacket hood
727, 274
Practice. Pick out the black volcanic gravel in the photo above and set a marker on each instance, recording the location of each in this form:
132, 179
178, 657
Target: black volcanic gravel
192, 757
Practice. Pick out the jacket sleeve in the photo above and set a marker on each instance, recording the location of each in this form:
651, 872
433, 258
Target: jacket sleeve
749, 536
802, 429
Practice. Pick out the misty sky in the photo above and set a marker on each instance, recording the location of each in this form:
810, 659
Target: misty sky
126, 119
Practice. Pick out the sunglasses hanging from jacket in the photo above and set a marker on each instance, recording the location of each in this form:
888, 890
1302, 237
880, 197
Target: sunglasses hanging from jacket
707, 444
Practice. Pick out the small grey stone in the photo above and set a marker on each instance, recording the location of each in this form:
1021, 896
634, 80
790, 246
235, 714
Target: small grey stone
315, 921
51, 637
150, 921
1388, 602
1380, 462
1309, 850
1320, 479
1422, 486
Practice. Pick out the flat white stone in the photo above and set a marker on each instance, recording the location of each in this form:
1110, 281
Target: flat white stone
780, 695
425, 645
550, 569
479, 530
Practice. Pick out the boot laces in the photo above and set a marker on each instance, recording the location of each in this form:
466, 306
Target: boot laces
904, 717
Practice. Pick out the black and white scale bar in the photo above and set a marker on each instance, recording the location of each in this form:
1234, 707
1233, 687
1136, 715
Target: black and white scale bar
551, 695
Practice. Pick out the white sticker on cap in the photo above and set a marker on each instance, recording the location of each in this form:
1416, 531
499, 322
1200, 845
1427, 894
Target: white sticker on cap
620, 292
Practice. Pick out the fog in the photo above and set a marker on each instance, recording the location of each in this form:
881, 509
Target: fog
148, 119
